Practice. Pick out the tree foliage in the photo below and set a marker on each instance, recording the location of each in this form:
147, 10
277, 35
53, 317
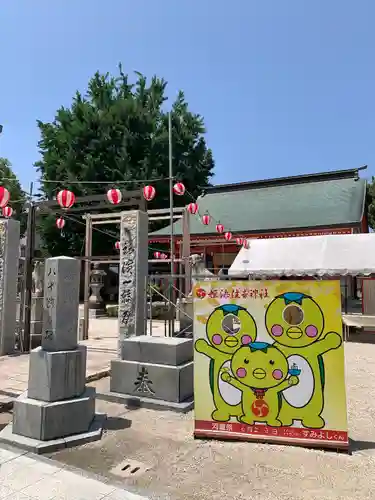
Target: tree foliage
370, 203
17, 200
118, 132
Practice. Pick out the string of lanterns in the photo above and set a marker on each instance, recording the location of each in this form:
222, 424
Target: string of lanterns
6, 210
66, 200
193, 209
4, 197
160, 255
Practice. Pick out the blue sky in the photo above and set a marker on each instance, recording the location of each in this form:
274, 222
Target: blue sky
286, 87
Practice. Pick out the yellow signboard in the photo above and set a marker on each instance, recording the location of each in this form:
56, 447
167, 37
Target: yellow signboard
269, 362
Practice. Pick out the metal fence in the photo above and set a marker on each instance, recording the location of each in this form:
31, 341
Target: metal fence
169, 305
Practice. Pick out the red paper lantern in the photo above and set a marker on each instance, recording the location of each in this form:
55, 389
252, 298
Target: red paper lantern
4, 197
219, 228
114, 196
65, 198
60, 223
157, 255
179, 189
192, 208
228, 235
206, 219
117, 245
246, 244
239, 241
7, 211
149, 193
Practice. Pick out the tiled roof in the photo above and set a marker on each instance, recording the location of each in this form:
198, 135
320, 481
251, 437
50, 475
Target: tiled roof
310, 201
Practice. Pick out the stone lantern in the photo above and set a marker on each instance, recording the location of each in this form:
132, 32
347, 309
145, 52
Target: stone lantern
96, 303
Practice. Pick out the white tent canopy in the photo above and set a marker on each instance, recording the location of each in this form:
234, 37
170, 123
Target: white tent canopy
333, 255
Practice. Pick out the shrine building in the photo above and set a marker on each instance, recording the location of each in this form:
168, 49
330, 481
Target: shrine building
304, 205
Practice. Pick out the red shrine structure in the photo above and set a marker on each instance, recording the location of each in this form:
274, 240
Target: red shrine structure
305, 205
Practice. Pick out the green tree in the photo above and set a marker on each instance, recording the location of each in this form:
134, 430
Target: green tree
370, 203
118, 132
17, 200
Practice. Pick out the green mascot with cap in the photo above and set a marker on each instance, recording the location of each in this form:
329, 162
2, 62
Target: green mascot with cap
296, 324
261, 372
228, 328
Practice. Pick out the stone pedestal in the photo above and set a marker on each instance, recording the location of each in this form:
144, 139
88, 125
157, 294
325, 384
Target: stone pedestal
55, 376
44, 421
58, 408
9, 259
157, 373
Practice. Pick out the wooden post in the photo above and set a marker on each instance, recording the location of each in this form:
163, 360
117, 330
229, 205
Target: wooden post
28, 278
186, 250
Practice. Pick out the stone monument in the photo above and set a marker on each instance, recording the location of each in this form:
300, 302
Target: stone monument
96, 303
9, 260
58, 410
133, 274
154, 372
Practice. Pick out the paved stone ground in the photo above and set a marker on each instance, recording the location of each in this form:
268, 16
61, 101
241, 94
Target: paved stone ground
102, 347
26, 477
182, 468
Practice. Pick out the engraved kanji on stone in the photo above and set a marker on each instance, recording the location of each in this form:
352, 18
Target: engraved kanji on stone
143, 383
48, 334
51, 271
133, 273
50, 302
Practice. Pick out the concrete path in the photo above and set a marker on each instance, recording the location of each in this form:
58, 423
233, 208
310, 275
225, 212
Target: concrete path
101, 349
178, 467
26, 477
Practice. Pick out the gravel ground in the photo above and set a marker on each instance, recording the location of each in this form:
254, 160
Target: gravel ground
184, 468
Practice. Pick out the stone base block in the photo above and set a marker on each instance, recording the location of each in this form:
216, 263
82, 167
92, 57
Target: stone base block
54, 376
94, 433
157, 350
133, 402
168, 383
45, 421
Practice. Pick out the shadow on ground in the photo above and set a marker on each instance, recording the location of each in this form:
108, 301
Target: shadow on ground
362, 338
5, 419
356, 445
117, 423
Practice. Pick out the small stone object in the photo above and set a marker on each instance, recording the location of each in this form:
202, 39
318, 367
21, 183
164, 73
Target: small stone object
61, 302
96, 303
